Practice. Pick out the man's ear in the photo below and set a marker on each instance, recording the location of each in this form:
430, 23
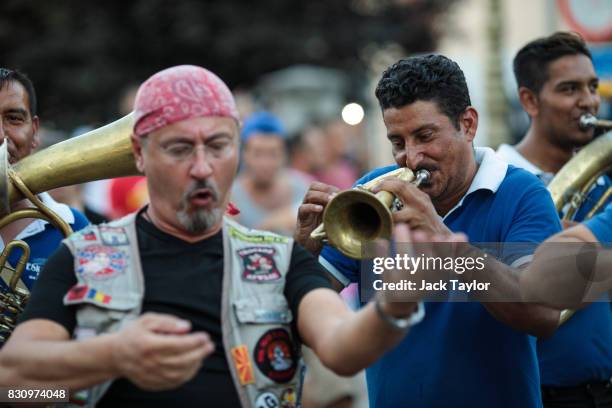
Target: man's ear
137, 146
35, 136
529, 101
469, 123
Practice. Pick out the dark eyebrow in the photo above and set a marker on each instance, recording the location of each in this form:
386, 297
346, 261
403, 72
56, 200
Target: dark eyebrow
177, 139
184, 139
594, 80
393, 136
220, 135
565, 83
427, 126
18, 111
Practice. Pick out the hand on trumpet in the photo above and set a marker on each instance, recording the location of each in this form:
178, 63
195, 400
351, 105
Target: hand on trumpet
418, 211
310, 215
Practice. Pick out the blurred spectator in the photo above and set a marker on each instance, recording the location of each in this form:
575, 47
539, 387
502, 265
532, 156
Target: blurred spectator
321, 152
269, 193
127, 194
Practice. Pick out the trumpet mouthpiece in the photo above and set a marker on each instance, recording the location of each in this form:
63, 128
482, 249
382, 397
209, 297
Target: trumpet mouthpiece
587, 121
422, 176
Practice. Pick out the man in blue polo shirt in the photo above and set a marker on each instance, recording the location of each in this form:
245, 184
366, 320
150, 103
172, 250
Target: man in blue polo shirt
557, 84
565, 282
19, 129
461, 354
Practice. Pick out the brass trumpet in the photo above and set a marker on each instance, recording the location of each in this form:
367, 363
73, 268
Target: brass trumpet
588, 121
357, 216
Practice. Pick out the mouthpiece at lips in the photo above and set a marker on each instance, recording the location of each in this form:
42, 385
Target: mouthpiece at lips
422, 176
587, 121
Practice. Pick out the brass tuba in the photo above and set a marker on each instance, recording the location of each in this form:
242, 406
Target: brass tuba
357, 216
102, 153
570, 186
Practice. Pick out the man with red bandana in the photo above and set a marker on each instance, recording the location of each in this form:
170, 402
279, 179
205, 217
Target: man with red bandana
189, 308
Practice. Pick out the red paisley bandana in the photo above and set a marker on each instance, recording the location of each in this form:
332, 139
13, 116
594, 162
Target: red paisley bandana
179, 93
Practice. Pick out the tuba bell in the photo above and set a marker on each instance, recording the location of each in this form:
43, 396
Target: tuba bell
357, 216
103, 153
570, 186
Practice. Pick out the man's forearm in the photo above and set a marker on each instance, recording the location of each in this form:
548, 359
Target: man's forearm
503, 299
68, 364
355, 343
568, 273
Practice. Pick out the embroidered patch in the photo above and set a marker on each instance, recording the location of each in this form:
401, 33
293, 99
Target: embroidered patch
79, 292
79, 397
288, 398
89, 235
242, 361
98, 296
274, 355
83, 235
113, 236
257, 239
267, 400
258, 264
100, 262
271, 316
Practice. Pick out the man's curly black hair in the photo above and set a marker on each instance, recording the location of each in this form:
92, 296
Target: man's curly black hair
432, 78
531, 62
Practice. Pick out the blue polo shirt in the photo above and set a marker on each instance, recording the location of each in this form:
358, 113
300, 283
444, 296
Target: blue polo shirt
459, 355
580, 351
43, 239
601, 225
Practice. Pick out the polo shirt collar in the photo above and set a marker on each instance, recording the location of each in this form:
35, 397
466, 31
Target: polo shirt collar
489, 176
38, 225
510, 155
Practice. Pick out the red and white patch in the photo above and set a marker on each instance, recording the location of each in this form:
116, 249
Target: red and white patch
100, 262
259, 265
275, 356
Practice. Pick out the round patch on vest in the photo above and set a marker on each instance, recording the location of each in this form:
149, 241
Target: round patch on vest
100, 262
267, 400
275, 356
258, 264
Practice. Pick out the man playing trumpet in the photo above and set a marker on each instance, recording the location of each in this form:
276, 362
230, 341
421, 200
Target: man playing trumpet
452, 358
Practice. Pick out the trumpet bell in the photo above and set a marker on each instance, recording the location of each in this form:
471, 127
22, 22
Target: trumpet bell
356, 218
